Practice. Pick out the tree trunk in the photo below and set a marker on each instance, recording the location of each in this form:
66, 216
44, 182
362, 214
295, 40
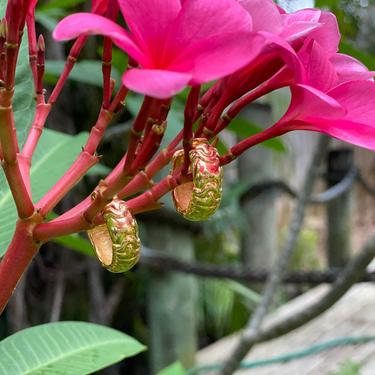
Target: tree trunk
171, 301
257, 165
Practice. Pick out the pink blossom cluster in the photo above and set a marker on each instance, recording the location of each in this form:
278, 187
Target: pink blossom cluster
251, 47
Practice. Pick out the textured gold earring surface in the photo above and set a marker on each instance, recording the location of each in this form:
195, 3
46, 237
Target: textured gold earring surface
116, 242
199, 199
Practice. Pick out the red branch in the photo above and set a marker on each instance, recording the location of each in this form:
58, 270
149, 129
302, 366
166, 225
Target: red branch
16, 260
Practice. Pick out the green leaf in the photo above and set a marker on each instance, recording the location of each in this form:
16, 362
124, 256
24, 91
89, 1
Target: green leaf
99, 170
65, 348
248, 294
244, 129
56, 4
49, 21
174, 369
326, 3
87, 71
221, 147
55, 153
77, 243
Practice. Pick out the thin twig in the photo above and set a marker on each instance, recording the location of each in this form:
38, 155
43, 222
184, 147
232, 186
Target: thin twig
157, 260
280, 267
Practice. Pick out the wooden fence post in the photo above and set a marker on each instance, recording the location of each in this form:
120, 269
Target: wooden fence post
259, 241
171, 301
339, 211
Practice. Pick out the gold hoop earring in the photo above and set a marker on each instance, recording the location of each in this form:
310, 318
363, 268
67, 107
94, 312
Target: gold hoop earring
116, 242
199, 199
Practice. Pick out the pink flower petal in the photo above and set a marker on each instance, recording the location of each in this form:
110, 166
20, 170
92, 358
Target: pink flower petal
328, 36
352, 132
299, 24
345, 112
303, 15
277, 64
149, 21
265, 15
308, 102
91, 24
160, 84
320, 71
349, 69
318, 25
358, 98
219, 56
200, 20
279, 47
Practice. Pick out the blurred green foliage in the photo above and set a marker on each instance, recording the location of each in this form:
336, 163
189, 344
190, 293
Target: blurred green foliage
348, 368
356, 20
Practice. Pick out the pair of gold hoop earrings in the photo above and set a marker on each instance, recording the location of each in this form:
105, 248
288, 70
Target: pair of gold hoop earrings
116, 242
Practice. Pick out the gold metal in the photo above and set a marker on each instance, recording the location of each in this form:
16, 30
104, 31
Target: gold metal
199, 199
116, 242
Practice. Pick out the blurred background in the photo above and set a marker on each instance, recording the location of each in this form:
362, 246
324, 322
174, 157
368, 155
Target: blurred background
172, 312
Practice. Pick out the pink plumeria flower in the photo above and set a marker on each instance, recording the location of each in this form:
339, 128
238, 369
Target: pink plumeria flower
307, 24
175, 45
345, 112
324, 71
285, 34
336, 95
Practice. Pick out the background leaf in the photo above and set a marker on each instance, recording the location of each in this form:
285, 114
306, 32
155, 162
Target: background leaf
244, 128
86, 71
55, 153
365, 58
65, 348
77, 243
174, 369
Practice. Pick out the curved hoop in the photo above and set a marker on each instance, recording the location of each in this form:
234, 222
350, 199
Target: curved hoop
116, 242
199, 199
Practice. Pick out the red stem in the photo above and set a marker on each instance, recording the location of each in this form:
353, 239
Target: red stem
160, 161
10, 154
241, 103
30, 20
83, 163
106, 70
40, 66
41, 114
16, 260
71, 60
136, 132
242, 146
189, 114
145, 202
153, 136
118, 100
